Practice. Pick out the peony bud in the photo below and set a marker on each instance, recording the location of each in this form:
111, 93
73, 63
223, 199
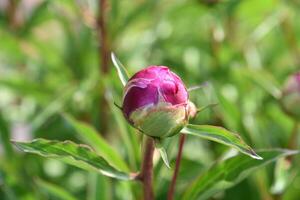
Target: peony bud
156, 102
291, 96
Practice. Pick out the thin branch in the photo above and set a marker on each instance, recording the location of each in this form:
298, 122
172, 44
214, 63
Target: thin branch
177, 166
146, 174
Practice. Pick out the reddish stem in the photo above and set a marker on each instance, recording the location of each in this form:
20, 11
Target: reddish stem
177, 166
146, 174
104, 50
104, 56
11, 13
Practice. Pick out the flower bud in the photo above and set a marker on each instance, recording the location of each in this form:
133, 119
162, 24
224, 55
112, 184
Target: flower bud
156, 102
290, 99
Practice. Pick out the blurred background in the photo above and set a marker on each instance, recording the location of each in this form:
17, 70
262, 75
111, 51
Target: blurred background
55, 58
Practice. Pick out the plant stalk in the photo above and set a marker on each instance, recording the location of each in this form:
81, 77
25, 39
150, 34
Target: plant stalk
177, 166
11, 13
104, 61
104, 50
146, 174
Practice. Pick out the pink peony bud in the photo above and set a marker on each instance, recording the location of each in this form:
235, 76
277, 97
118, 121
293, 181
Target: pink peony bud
291, 95
156, 102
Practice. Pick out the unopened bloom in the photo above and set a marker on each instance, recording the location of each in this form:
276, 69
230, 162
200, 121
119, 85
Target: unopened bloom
291, 95
156, 102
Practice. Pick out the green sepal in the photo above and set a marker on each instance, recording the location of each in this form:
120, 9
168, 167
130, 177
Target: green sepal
160, 122
162, 152
122, 72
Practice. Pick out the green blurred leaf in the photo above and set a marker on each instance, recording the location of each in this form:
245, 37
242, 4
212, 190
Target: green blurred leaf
56, 105
81, 156
221, 135
95, 182
123, 74
282, 176
128, 134
264, 79
229, 172
37, 16
55, 190
5, 135
89, 135
23, 87
230, 111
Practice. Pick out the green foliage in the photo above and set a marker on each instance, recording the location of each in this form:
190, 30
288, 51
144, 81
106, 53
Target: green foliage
227, 173
55, 190
90, 136
221, 135
81, 156
50, 63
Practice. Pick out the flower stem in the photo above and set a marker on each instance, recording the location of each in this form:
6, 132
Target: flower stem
103, 37
177, 166
104, 60
146, 174
11, 13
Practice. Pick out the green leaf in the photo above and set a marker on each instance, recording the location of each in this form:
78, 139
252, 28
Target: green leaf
54, 190
229, 172
221, 135
90, 136
23, 87
283, 176
123, 74
79, 155
54, 106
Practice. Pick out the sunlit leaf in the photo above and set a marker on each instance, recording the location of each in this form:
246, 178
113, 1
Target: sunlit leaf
229, 172
221, 135
89, 135
81, 156
123, 74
